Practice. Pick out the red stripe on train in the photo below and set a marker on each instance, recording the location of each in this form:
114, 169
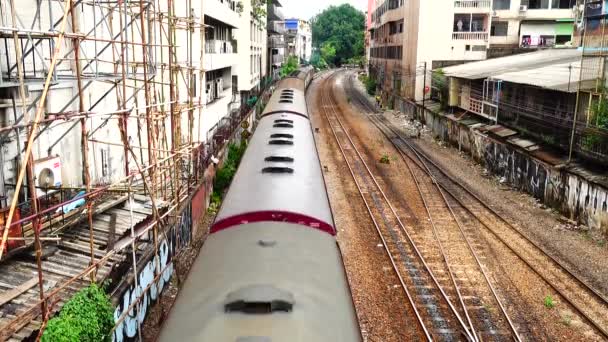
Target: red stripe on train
272, 216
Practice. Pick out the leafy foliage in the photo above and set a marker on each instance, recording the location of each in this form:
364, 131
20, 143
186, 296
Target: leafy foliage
343, 28
599, 119
87, 316
290, 66
440, 90
224, 175
549, 302
600, 114
369, 83
328, 51
317, 61
258, 9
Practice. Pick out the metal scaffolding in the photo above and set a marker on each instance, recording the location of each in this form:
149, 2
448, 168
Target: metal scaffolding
133, 67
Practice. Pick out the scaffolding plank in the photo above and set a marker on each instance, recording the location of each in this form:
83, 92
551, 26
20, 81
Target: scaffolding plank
9, 295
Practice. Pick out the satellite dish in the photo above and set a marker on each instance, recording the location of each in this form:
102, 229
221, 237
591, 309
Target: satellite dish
46, 178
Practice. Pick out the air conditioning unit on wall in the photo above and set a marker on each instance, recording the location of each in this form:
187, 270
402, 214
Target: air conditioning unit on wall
523, 8
47, 174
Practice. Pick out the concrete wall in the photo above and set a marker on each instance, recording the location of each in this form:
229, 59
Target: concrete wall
573, 192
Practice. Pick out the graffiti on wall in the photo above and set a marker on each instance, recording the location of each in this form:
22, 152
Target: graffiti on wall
154, 275
587, 201
516, 169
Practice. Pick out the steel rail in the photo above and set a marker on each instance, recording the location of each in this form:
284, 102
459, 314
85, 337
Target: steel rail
428, 270
426, 170
461, 230
376, 225
594, 293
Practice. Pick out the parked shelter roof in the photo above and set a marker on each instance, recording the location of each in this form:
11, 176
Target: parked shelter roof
548, 69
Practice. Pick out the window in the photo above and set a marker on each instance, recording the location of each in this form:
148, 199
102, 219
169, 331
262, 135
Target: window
501, 5
536, 4
562, 39
469, 23
462, 22
499, 28
563, 4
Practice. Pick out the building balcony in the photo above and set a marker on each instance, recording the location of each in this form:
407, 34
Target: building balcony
277, 27
220, 46
219, 60
472, 6
276, 41
275, 13
223, 11
483, 36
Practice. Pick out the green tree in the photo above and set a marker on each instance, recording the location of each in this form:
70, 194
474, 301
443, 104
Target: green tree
290, 66
328, 51
344, 28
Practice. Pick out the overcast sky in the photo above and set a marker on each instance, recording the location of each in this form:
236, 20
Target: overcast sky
306, 9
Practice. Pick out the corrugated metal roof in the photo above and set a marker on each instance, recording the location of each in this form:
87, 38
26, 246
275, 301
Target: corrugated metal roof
553, 76
516, 63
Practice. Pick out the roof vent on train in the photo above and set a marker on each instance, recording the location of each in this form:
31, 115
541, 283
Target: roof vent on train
283, 121
277, 169
285, 101
259, 299
280, 142
279, 159
282, 125
281, 135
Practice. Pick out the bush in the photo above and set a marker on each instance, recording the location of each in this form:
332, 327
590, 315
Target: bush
224, 175
369, 83
87, 316
290, 66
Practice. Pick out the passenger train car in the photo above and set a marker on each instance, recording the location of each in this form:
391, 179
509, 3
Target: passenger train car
270, 269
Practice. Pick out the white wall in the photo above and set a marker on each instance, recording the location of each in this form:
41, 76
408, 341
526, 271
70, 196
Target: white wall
435, 41
252, 40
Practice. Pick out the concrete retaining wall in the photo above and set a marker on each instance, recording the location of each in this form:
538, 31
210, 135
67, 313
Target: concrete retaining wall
571, 191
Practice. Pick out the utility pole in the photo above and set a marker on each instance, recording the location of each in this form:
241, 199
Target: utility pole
424, 89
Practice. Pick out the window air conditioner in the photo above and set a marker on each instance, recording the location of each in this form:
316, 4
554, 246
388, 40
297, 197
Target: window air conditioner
523, 8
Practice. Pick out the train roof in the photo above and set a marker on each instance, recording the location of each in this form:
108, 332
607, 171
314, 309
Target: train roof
288, 99
279, 174
272, 280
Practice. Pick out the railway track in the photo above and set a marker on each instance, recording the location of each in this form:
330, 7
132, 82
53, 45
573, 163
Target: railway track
474, 215
437, 317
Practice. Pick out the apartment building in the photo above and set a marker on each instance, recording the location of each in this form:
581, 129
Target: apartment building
532, 23
410, 38
299, 39
276, 37
252, 54
222, 22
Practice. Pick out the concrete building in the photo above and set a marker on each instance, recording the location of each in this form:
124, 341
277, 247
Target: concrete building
299, 39
276, 37
222, 22
252, 54
532, 23
409, 37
